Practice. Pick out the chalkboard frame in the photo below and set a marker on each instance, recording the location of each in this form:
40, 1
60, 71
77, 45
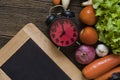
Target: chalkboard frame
30, 31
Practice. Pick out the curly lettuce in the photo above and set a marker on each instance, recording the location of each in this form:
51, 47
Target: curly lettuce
108, 24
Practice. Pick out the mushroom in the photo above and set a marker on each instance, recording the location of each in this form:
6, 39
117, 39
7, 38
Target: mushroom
101, 50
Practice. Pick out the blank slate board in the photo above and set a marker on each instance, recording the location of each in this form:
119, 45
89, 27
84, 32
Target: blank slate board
30, 55
30, 60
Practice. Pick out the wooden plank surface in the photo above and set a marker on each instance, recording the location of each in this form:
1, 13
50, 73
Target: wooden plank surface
14, 14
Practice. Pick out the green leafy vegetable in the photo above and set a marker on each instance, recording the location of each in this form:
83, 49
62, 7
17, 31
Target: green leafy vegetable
108, 25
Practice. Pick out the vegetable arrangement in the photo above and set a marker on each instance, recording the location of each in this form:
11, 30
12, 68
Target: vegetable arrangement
100, 66
106, 19
102, 20
108, 24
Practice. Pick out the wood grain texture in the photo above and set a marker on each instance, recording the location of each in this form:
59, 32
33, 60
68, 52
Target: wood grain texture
14, 44
3, 76
14, 14
17, 13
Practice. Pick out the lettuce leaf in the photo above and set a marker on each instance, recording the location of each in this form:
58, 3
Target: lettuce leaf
108, 24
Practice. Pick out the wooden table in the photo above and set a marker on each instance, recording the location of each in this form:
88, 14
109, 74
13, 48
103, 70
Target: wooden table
14, 14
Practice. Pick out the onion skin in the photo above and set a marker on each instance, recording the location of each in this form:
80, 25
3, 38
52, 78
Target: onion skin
85, 54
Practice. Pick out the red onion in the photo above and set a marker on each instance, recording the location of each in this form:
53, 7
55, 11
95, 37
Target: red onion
85, 54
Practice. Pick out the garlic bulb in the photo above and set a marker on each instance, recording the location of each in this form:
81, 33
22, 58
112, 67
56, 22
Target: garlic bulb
101, 50
65, 4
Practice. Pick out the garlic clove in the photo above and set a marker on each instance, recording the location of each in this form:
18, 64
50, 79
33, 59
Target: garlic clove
86, 3
65, 4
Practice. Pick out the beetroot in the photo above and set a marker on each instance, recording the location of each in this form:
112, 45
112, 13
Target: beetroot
85, 54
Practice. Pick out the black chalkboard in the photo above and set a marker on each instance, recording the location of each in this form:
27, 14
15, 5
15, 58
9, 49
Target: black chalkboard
31, 63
